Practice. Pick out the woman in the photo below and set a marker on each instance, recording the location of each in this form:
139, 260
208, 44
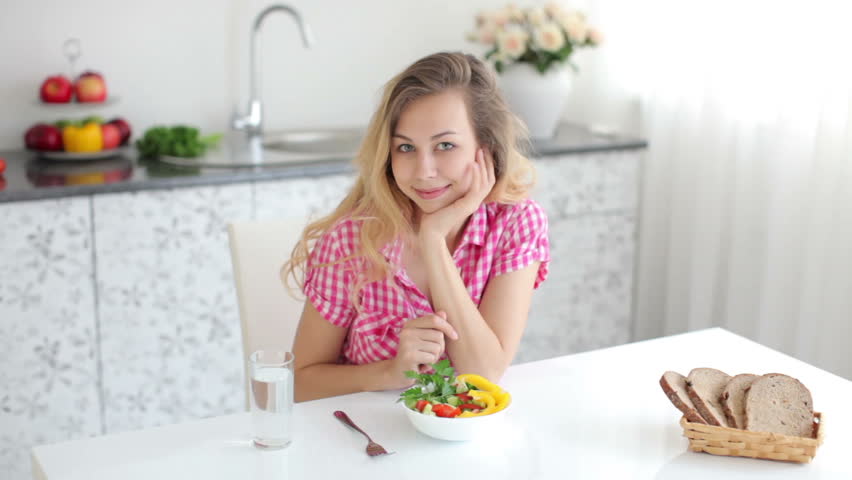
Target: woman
434, 252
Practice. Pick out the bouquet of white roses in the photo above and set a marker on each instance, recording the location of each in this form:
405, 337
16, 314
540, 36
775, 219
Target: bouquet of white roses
542, 36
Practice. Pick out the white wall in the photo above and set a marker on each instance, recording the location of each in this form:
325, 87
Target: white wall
186, 61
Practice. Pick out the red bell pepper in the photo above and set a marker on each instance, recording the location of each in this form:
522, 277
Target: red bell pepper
464, 397
446, 411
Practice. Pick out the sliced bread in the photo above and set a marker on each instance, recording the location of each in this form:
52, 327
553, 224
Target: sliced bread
704, 387
674, 386
780, 404
733, 399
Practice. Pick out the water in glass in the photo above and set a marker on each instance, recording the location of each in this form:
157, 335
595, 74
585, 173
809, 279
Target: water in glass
271, 404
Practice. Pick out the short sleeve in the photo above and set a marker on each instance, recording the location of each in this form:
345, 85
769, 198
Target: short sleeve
328, 279
524, 242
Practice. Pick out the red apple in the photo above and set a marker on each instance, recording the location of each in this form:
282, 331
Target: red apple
43, 137
90, 87
123, 127
111, 135
56, 89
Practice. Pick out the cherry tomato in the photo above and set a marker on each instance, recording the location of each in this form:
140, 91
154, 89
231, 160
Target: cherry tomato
2, 165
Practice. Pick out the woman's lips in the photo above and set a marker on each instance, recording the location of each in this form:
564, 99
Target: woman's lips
433, 193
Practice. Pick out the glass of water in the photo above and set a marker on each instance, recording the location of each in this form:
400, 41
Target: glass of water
271, 384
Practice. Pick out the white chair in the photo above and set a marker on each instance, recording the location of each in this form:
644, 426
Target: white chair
269, 314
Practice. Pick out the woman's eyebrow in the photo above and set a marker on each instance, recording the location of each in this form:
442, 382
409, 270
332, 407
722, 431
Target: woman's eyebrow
447, 132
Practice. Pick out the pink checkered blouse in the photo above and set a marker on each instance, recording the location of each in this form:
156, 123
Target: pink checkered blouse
498, 239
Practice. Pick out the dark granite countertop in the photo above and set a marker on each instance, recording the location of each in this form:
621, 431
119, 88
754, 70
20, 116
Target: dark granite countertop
28, 177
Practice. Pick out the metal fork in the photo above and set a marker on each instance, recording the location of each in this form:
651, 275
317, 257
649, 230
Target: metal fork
373, 448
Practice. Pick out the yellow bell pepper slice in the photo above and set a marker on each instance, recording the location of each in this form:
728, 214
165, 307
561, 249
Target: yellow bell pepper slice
490, 403
479, 382
503, 400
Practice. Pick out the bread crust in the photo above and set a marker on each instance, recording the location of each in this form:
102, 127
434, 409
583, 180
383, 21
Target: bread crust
706, 393
672, 383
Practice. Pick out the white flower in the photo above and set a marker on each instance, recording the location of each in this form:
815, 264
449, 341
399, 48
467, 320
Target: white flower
501, 57
595, 36
500, 17
515, 14
512, 43
486, 34
570, 16
536, 16
553, 9
576, 29
549, 37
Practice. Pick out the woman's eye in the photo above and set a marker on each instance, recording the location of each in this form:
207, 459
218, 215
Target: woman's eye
445, 146
405, 148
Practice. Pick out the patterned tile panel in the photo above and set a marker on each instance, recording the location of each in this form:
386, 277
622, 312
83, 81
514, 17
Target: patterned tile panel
48, 356
169, 321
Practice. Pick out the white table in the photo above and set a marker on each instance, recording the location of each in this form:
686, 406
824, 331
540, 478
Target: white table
598, 414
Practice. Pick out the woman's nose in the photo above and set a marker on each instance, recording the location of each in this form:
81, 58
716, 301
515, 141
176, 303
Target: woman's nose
425, 165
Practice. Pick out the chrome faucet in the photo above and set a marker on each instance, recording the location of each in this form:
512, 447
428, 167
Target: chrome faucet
252, 123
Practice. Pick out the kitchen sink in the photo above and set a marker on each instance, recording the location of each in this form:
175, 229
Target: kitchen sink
332, 142
285, 147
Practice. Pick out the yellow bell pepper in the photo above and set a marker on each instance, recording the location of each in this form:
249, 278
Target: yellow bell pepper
479, 382
503, 400
87, 138
499, 398
487, 398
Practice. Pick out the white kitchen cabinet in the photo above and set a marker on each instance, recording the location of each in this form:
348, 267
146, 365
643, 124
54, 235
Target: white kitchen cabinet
49, 376
591, 204
170, 336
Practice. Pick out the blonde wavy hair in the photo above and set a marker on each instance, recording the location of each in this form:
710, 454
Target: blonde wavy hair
375, 201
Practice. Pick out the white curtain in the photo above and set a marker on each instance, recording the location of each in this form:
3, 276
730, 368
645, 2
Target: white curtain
746, 218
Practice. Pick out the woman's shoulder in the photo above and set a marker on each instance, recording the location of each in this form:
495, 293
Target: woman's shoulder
524, 213
342, 236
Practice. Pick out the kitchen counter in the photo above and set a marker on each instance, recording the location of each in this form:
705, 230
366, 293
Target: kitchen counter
28, 177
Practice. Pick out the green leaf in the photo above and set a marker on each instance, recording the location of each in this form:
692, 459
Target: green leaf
444, 368
447, 389
412, 374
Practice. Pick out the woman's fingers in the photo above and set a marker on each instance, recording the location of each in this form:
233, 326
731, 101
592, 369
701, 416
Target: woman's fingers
488, 168
436, 322
430, 335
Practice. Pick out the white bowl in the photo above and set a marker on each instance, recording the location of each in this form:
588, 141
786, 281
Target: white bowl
456, 429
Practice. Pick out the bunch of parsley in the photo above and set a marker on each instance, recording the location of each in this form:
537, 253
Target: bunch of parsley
177, 141
444, 380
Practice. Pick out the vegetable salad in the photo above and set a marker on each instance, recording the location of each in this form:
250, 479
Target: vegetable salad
443, 394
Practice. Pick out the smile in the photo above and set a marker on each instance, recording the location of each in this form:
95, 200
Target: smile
433, 193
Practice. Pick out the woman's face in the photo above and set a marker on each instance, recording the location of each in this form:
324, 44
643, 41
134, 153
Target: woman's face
431, 150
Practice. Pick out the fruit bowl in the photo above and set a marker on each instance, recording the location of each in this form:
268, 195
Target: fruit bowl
457, 429
73, 156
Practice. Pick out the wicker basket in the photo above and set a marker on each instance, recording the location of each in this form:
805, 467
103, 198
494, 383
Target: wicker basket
743, 443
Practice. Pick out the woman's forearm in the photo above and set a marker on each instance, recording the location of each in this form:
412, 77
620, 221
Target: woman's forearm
478, 350
329, 380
